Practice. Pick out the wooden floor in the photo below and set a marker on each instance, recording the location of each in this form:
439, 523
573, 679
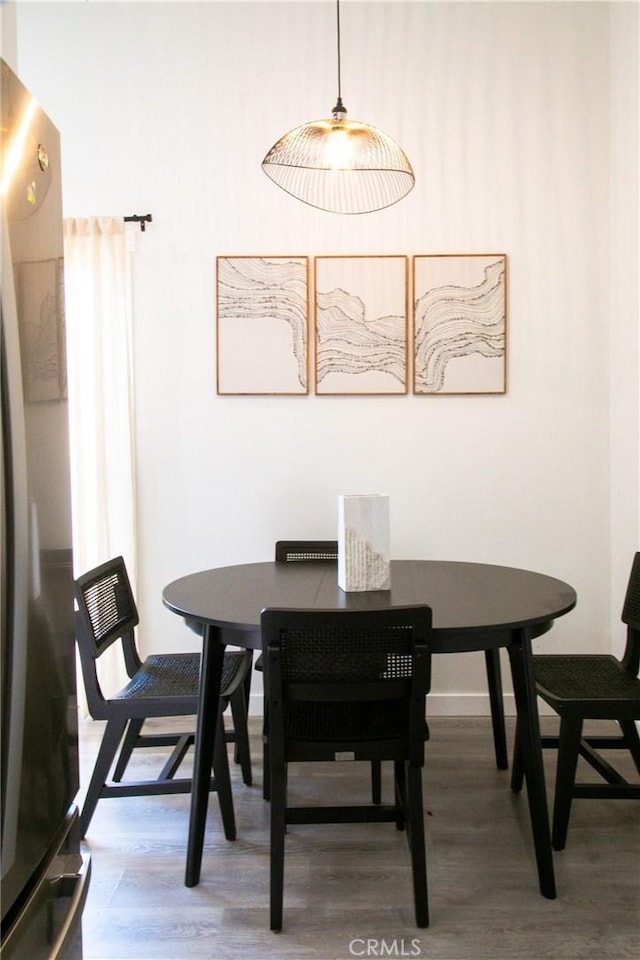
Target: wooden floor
348, 888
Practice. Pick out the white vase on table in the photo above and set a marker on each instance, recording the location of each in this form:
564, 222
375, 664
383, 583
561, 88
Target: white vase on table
363, 542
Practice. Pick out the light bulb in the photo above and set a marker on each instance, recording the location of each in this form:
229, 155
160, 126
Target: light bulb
338, 150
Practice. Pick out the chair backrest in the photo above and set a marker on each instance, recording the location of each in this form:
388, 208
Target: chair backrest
296, 551
106, 612
631, 616
319, 663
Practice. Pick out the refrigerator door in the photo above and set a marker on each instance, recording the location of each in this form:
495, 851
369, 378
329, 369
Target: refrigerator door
15, 559
39, 754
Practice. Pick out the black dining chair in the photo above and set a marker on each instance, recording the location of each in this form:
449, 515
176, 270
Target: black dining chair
164, 685
584, 687
348, 686
296, 551
310, 551
300, 551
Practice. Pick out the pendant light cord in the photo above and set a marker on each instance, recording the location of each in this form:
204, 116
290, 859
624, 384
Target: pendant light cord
339, 107
338, 35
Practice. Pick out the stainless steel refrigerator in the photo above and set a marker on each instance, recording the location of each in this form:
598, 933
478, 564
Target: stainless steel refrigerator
45, 870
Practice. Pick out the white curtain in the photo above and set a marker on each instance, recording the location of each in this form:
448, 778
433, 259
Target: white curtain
99, 299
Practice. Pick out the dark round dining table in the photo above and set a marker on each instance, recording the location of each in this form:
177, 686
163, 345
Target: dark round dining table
476, 606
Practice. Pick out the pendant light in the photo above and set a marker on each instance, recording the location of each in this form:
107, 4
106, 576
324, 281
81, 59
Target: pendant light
340, 165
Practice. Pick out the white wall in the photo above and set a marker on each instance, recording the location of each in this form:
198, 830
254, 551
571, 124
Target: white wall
8, 39
624, 360
511, 114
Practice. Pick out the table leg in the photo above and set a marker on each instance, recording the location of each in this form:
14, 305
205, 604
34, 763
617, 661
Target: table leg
494, 678
531, 752
208, 705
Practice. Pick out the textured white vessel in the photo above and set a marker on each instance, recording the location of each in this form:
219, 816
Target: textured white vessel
363, 542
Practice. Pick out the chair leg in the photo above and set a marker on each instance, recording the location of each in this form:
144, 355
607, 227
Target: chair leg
400, 789
630, 732
247, 700
376, 781
278, 783
266, 777
416, 837
494, 679
223, 782
266, 763
110, 740
130, 738
517, 773
242, 752
568, 750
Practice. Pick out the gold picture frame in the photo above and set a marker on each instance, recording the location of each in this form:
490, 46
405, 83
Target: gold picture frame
262, 329
361, 325
459, 324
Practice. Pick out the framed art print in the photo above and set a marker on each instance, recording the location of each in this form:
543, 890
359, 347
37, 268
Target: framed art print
40, 290
459, 329
262, 325
361, 325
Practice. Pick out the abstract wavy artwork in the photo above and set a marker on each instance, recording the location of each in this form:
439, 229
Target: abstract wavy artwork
262, 328
361, 325
459, 324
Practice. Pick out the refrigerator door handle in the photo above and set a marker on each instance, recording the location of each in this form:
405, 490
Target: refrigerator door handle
80, 887
55, 905
16, 585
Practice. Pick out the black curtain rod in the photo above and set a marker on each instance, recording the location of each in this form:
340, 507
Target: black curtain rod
142, 220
